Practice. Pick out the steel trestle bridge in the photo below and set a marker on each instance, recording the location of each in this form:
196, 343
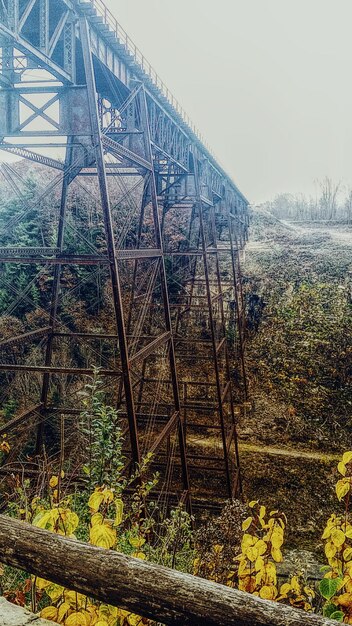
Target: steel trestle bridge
82, 104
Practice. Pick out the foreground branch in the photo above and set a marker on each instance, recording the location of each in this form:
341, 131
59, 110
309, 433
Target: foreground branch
143, 588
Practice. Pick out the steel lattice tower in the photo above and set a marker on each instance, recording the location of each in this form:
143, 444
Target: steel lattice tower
165, 264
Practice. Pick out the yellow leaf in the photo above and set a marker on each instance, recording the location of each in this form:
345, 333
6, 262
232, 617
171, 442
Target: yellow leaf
295, 584
247, 540
46, 519
70, 521
270, 570
243, 569
77, 619
342, 488
252, 553
112, 611
335, 563
338, 537
139, 555
309, 592
285, 589
75, 599
53, 482
92, 610
137, 542
41, 583
96, 518
261, 547
259, 564
134, 620
327, 533
63, 610
330, 550
95, 500
104, 612
345, 599
108, 496
277, 539
119, 512
347, 554
103, 535
262, 511
50, 612
342, 468
276, 554
101, 623
55, 592
268, 593
247, 522
347, 457
252, 504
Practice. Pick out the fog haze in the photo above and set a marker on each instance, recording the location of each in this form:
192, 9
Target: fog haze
266, 81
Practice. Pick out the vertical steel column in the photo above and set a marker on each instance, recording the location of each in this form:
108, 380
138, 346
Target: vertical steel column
55, 289
225, 348
13, 14
69, 48
44, 25
212, 325
192, 263
114, 271
134, 280
164, 287
238, 301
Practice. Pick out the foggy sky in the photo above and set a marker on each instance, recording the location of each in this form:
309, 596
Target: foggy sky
268, 83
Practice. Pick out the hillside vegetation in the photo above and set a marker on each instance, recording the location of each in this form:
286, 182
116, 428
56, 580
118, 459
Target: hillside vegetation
299, 359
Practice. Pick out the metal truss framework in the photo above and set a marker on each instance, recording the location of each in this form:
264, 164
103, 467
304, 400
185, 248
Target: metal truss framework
69, 79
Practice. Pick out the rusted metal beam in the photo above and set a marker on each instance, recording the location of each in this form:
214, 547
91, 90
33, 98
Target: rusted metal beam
46, 369
151, 347
72, 259
109, 233
115, 148
20, 419
168, 428
25, 337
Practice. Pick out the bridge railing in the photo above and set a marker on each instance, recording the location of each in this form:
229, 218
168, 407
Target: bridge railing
111, 21
156, 592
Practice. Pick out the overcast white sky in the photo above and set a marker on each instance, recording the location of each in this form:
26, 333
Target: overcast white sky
268, 82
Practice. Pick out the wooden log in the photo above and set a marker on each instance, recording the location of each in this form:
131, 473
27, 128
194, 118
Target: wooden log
137, 586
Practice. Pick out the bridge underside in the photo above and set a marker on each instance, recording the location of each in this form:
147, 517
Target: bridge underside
133, 266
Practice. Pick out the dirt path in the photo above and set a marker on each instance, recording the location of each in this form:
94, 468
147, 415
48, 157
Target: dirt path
264, 449
343, 237
289, 452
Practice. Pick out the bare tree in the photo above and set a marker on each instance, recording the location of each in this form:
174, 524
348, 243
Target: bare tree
328, 200
348, 206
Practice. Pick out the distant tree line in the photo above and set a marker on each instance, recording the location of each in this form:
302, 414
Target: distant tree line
332, 203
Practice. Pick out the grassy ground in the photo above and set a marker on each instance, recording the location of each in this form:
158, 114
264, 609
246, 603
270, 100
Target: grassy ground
299, 360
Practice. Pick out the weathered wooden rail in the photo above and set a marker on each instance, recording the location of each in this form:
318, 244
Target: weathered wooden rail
143, 588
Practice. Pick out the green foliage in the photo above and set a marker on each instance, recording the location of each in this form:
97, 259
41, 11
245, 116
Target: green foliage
101, 426
9, 409
300, 353
329, 586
